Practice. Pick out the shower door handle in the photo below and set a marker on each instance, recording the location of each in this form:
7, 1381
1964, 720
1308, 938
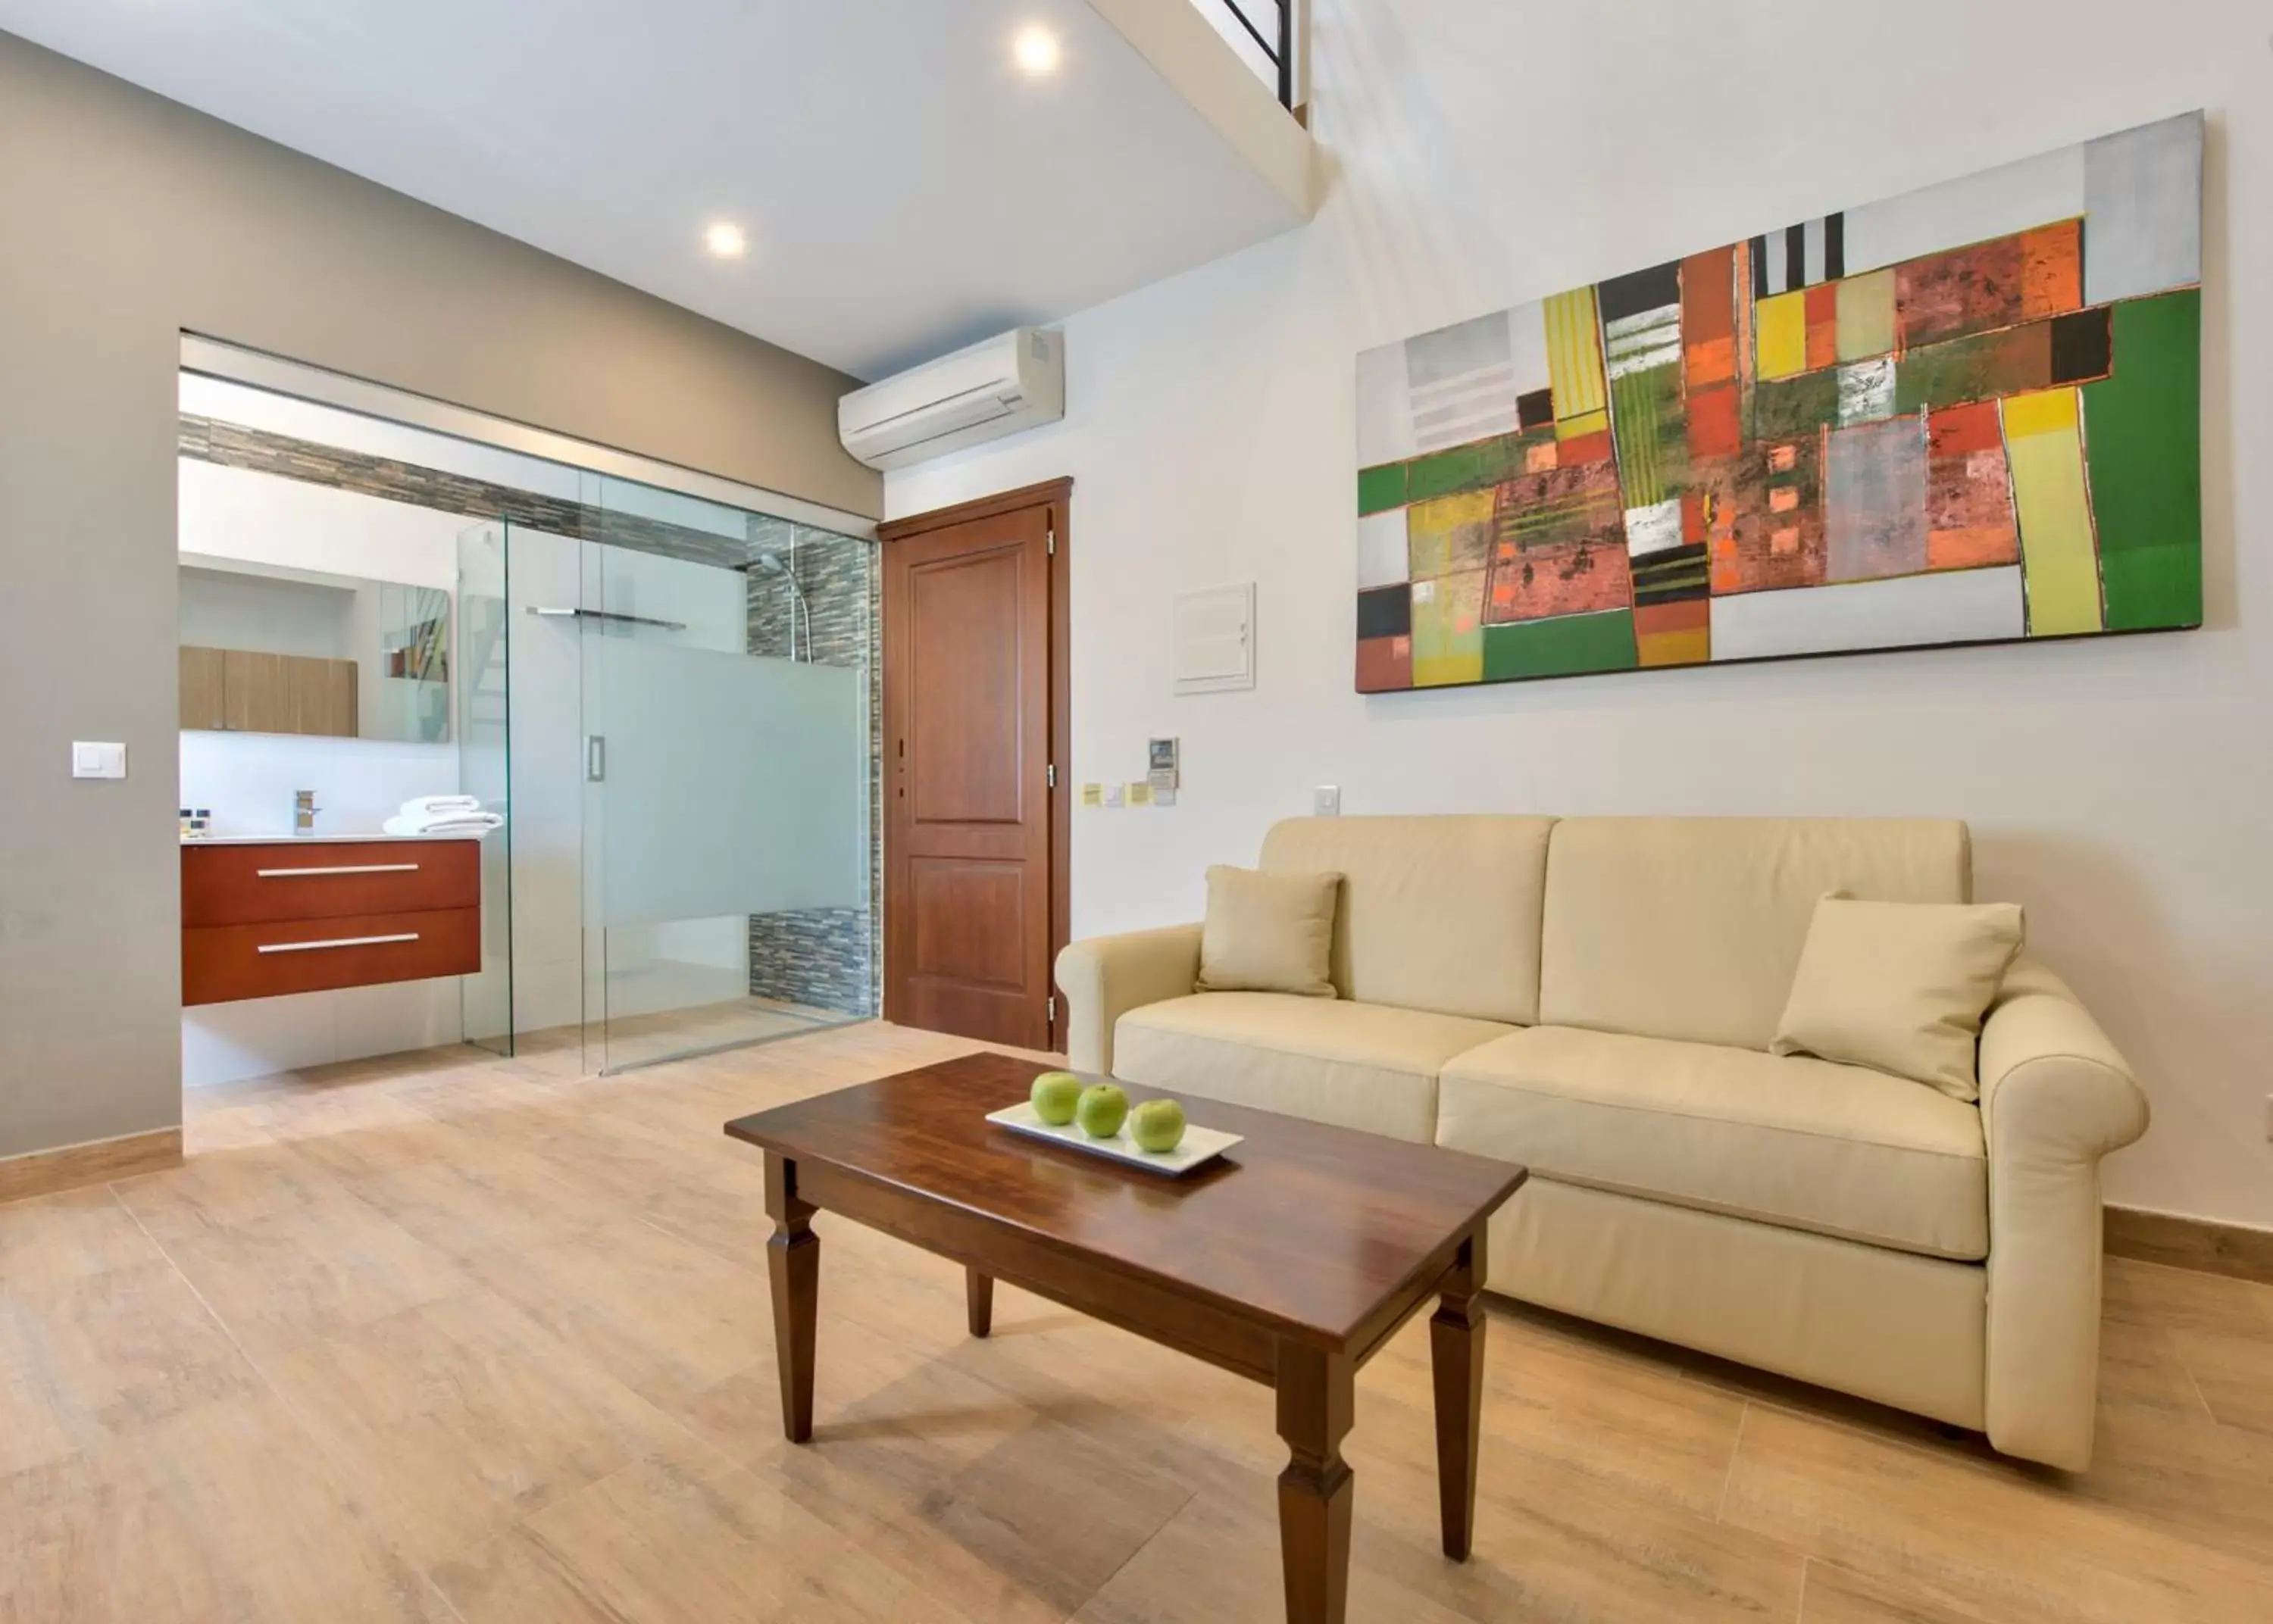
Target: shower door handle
595, 759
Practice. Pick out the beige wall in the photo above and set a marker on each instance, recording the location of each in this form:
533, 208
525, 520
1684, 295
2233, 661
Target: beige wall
125, 220
1484, 153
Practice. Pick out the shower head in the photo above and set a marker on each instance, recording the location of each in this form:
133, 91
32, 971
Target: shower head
770, 563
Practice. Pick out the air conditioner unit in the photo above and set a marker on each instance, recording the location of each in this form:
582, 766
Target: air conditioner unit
989, 390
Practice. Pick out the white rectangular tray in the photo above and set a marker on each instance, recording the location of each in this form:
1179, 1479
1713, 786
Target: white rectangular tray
1200, 1146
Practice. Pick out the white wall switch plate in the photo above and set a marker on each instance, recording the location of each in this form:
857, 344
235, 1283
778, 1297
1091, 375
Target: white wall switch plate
1326, 800
1114, 795
97, 760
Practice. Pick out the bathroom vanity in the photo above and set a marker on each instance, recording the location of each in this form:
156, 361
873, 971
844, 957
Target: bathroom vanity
264, 916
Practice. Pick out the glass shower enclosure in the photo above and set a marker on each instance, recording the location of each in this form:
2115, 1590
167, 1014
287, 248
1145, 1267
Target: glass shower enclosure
688, 774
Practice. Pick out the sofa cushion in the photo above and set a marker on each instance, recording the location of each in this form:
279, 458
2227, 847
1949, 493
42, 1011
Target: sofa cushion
1901, 986
1691, 927
1437, 913
1268, 933
1805, 1143
1361, 1065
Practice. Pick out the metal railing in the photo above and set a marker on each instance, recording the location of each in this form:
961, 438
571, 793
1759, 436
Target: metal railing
1277, 47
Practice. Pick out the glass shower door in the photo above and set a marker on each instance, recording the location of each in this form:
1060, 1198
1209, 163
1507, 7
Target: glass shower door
481, 694
721, 786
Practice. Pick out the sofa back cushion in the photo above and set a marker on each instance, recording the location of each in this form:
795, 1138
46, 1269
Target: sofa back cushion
1437, 913
1691, 928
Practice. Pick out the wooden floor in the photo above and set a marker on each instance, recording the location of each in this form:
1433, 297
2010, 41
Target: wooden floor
467, 1340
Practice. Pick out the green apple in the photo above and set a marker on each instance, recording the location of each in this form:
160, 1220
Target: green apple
1157, 1126
1101, 1111
1056, 1096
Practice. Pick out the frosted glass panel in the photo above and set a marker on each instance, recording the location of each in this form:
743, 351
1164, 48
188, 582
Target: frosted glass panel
480, 694
735, 784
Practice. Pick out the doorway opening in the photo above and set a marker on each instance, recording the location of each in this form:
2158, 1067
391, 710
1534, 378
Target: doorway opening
660, 685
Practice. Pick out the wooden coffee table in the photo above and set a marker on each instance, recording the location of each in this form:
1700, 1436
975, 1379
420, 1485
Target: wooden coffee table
1291, 1261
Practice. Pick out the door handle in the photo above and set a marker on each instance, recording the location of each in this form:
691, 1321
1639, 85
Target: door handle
595, 759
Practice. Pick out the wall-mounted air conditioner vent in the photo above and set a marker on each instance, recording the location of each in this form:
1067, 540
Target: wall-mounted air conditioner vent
1014, 382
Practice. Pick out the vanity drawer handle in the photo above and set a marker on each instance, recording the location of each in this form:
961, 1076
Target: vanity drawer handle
344, 868
342, 941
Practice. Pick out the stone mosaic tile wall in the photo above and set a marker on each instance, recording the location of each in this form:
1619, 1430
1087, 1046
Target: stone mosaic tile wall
232, 445
828, 958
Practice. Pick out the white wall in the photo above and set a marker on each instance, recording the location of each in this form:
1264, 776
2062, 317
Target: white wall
1487, 152
248, 779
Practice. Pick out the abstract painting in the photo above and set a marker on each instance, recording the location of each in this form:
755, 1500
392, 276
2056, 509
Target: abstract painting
1969, 415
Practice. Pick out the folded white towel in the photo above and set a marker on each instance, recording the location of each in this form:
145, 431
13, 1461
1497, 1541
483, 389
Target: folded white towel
454, 823
431, 805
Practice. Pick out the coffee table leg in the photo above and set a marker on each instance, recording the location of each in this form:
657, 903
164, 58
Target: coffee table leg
793, 1269
1316, 1406
978, 1300
1456, 1351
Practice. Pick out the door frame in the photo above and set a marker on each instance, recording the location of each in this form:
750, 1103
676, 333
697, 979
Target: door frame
1057, 495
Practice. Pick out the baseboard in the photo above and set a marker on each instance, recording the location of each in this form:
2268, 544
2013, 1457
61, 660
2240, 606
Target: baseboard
2199, 1244
42, 1172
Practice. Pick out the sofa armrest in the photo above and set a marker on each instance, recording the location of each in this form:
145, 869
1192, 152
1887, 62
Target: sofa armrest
1107, 976
2056, 1096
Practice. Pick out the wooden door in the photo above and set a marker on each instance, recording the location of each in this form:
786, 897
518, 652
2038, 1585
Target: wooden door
975, 773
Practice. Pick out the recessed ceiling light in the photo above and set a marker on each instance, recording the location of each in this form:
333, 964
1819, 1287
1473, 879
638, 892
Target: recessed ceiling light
1036, 50
725, 240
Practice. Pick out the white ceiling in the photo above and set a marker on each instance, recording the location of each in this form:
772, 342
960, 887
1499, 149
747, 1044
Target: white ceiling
905, 189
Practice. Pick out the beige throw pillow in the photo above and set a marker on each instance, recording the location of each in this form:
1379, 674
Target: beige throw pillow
1268, 933
1900, 986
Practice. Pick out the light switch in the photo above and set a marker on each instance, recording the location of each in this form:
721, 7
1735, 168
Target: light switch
98, 761
1326, 800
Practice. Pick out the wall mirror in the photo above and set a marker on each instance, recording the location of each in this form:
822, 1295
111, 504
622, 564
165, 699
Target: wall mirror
271, 649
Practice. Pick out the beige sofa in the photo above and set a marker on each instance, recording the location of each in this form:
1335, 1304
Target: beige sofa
1595, 998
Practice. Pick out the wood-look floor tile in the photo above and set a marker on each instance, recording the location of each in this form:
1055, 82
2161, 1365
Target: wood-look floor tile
508, 1304
224, 1511
466, 1416
311, 1271
2180, 1300
208, 1134
340, 1109
1550, 1543
459, 1190
2205, 1481
681, 1535
1836, 1595
1936, 1520
2233, 1375
111, 1354
469, 1090
37, 1424
62, 1237
663, 1316
2139, 1366
216, 1186
1027, 1516
1646, 1429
